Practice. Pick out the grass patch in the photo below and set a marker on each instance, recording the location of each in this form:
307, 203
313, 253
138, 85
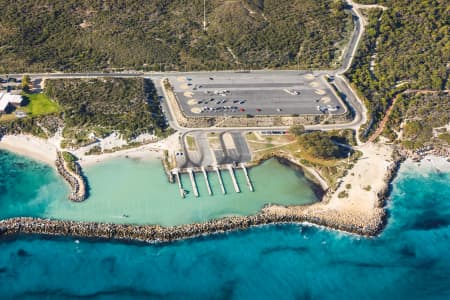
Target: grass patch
190, 140
367, 188
39, 104
269, 143
343, 194
445, 137
36, 105
7, 117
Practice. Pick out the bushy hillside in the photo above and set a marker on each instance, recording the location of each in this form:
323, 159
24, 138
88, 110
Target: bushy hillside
162, 34
406, 46
104, 105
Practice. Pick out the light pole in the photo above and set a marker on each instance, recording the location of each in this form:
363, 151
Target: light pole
204, 15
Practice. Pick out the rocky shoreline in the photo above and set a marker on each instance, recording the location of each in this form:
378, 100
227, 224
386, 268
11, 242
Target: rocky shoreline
74, 178
420, 154
389, 177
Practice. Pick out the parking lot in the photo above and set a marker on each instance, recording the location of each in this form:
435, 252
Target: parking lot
255, 93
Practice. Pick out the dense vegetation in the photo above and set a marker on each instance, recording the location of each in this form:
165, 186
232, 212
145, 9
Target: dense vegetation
421, 113
406, 46
70, 160
325, 145
100, 34
328, 152
101, 106
318, 145
41, 125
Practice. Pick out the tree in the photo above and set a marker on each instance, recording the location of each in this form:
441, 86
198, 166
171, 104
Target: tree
319, 144
26, 80
297, 130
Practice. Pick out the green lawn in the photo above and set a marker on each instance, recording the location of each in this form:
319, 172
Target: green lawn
40, 104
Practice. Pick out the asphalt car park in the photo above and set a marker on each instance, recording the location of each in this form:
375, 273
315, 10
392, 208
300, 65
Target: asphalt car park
256, 93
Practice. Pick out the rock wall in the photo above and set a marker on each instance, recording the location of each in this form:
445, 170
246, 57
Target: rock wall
75, 179
155, 233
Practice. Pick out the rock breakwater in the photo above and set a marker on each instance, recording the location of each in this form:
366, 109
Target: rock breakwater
74, 178
157, 234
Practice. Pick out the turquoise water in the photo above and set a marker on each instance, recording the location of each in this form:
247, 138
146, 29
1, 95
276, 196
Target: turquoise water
27, 187
410, 260
140, 190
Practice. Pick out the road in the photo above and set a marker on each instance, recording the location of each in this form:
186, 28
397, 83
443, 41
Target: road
340, 81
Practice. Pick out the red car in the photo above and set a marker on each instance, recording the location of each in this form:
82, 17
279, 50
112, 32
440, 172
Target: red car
242, 110
258, 109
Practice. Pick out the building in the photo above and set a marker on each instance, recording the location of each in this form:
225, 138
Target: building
7, 100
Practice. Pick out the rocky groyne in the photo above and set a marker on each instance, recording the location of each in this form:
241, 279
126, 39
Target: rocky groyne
73, 177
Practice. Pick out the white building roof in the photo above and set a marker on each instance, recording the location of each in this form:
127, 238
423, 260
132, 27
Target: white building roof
5, 99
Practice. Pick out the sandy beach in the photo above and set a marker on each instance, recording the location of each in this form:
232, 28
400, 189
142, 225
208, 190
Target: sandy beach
148, 151
358, 204
364, 180
151, 151
36, 148
45, 150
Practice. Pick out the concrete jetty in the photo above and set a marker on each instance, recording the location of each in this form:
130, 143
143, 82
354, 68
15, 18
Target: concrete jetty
233, 178
194, 184
205, 174
180, 185
220, 180
249, 183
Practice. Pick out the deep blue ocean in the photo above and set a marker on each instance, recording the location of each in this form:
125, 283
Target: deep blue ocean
410, 260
